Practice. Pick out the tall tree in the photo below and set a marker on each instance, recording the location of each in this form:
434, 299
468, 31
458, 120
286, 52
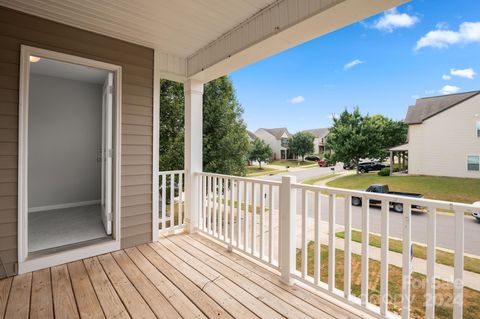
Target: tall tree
301, 144
260, 151
171, 125
390, 133
225, 141
352, 137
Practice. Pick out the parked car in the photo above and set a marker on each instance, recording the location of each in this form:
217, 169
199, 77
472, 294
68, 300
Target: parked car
383, 189
476, 214
348, 165
326, 163
313, 158
365, 167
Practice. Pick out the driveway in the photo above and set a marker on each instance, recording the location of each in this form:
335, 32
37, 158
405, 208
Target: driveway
303, 174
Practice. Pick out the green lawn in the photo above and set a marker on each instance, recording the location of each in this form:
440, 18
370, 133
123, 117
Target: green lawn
292, 163
419, 251
312, 181
465, 190
444, 290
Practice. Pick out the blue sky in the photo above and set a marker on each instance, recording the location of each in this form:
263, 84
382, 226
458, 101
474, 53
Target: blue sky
423, 48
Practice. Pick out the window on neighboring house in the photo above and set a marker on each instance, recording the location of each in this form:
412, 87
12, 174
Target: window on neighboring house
478, 129
473, 163
284, 142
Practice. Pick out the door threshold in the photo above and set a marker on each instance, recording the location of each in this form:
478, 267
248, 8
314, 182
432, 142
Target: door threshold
68, 253
59, 249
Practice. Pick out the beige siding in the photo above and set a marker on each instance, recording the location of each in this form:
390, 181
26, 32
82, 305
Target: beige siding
137, 65
440, 145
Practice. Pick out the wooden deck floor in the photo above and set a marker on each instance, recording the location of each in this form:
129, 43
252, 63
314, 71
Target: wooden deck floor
181, 276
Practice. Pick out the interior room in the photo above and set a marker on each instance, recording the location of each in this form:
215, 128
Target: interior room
69, 139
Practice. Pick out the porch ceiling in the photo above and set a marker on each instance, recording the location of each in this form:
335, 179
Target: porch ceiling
179, 27
205, 39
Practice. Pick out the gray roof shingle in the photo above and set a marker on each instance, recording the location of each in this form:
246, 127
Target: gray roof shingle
251, 135
427, 107
318, 132
277, 132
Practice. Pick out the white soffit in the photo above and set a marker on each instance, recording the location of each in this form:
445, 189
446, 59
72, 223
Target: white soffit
177, 27
205, 39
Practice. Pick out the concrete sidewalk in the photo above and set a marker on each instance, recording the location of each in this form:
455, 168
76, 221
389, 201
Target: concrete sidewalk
442, 272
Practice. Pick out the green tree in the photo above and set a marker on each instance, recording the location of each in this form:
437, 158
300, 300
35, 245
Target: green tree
301, 144
390, 133
260, 151
352, 136
171, 125
225, 141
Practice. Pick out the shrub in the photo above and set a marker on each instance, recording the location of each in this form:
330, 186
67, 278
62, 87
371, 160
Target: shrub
384, 171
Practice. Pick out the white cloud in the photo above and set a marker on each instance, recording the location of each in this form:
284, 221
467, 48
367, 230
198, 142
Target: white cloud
465, 73
446, 77
392, 20
353, 63
297, 100
449, 89
415, 96
468, 32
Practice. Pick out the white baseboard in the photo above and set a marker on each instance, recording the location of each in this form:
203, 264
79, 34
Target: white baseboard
61, 206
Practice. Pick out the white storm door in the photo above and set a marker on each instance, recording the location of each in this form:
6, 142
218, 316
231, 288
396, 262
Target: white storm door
107, 153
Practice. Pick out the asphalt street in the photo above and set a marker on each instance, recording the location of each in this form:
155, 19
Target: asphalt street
445, 222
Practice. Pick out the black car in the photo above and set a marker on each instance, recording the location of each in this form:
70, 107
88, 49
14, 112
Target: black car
313, 158
366, 167
383, 189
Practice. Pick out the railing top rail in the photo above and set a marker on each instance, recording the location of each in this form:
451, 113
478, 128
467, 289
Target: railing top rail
439, 204
171, 172
240, 178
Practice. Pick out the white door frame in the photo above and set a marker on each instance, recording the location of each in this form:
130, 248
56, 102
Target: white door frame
26, 264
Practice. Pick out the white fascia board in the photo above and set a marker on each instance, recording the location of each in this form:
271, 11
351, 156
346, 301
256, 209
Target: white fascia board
282, 25
170, 67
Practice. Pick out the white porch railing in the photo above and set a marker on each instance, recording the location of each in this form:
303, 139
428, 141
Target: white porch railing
241, 212
272, 221
171, 197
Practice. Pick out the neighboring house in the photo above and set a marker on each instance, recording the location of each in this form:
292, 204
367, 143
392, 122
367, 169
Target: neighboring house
277, 138
444, 136
320, 140
251, 136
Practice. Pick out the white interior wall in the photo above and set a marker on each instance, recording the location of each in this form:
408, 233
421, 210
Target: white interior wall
64, 147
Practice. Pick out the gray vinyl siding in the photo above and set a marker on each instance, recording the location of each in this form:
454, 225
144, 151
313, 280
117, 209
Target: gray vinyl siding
17, 28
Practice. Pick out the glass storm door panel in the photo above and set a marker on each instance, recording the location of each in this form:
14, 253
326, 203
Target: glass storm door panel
107, 153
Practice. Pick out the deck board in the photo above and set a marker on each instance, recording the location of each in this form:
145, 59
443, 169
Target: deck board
87, 301
180, 276
18, 305
63, 299
41, 306
4, 292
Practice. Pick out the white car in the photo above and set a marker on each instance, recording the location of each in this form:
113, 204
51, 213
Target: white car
477, 213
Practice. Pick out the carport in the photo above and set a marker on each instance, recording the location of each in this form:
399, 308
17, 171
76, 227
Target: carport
401, 152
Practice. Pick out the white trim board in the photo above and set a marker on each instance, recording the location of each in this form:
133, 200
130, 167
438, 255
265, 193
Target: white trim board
64, 205
26, 263
58, 258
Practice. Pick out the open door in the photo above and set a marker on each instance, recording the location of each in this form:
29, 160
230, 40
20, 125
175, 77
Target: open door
107, 152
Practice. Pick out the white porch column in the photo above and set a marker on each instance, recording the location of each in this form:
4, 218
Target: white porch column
287, 232
193, 90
